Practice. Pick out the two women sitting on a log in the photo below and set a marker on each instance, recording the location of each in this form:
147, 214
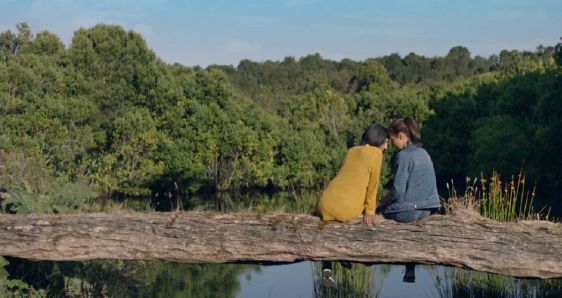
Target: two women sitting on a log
413, 191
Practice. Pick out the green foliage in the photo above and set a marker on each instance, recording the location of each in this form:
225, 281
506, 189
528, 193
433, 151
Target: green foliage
107, 111
34, 189
372, 76
320, 122
458, 62
22, 171
500, 122
558, 53
302, 201
57, 197
130, 158
222, 141
500, 131
47, 44
15, 287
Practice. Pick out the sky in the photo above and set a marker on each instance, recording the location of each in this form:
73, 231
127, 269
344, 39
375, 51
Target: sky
198, 32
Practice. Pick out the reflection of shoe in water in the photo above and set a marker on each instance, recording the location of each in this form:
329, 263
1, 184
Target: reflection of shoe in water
346, 264
327, 279
410, 275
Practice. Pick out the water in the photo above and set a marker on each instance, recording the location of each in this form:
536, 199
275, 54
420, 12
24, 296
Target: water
298, 280
294, 280
167, 279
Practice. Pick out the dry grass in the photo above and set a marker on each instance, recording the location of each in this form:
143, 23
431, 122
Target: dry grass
467, 205
500, 201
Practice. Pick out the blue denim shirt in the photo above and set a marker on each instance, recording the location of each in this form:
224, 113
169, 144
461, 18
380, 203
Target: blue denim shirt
414, 185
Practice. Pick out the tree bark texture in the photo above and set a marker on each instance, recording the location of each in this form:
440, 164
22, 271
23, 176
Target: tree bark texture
523, 249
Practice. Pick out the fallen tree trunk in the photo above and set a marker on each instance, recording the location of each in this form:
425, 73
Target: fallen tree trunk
523, 249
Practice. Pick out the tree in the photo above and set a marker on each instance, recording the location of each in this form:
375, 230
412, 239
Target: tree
510, 61
46, 43
129, 166
395, 67
499, 143
458, 62
558, 53
373, 76
11, 44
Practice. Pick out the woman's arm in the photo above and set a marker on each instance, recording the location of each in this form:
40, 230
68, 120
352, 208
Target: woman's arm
373, 186
401, 175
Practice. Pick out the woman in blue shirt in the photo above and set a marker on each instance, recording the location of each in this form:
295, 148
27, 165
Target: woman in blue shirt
414, 190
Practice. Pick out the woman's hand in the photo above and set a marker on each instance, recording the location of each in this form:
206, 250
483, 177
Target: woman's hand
369, 219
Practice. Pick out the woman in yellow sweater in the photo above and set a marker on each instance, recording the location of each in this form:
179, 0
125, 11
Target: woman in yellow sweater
354, 190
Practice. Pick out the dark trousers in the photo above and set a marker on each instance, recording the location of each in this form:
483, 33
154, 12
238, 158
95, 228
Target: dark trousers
407, 216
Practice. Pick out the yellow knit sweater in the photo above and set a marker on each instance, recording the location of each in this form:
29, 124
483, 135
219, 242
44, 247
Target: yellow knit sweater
354, 189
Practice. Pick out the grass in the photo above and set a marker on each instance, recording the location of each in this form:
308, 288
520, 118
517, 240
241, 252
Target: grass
497, 200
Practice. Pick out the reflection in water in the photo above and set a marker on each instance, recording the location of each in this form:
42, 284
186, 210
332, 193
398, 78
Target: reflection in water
111, 278
410, 274
455, 282
193, 280
354, 280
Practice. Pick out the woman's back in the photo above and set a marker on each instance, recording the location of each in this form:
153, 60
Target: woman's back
414, 185
355, 186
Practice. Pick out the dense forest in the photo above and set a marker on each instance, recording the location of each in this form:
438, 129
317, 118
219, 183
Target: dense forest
106, 116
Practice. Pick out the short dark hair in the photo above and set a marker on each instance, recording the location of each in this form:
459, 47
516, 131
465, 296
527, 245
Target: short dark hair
374, 135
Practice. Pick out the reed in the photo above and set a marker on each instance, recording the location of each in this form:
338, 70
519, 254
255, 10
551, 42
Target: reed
497, 200
468, 202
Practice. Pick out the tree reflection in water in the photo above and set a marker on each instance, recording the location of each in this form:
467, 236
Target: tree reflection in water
117, 278
457, 282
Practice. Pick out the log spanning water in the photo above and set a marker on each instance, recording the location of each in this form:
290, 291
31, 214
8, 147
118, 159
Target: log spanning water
523, 249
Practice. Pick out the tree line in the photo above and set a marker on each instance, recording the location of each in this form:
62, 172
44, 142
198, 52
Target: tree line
106, 115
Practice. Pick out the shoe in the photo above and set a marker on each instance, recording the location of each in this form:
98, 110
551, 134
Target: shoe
346, 264
327, 279
410, 275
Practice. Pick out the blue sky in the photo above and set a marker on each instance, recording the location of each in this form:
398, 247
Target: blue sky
196, 32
